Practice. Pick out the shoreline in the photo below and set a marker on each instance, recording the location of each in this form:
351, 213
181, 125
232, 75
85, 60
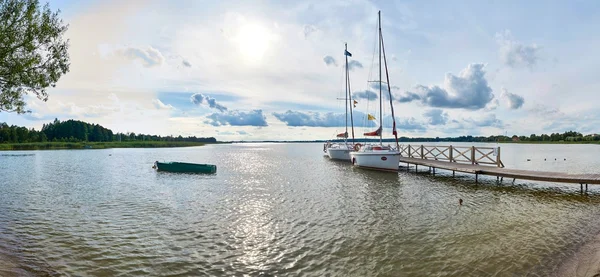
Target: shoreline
584, 262
423, 142
97, 145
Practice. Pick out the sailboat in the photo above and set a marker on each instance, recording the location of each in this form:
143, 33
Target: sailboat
378, 156
341, 150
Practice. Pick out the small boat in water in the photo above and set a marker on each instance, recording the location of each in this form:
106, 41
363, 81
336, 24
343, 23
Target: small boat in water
185, 167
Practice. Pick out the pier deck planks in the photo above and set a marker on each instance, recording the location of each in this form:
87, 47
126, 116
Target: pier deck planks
547, 176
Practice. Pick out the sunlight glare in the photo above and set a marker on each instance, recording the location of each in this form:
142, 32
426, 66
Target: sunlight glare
253, 41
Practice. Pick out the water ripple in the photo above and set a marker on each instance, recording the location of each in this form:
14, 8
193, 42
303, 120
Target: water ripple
273, 209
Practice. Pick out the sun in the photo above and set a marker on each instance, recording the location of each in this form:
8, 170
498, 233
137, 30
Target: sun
253, 41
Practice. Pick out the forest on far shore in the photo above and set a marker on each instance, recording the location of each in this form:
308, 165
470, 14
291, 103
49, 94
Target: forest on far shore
79, 131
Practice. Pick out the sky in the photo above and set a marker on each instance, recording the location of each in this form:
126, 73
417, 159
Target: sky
274, 70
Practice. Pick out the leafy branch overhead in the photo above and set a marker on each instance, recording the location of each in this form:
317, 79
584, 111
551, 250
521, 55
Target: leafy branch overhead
33, 53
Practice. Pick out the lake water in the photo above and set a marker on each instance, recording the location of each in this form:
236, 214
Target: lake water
285, 209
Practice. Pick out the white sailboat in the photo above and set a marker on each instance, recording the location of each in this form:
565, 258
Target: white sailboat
378, 156
341, 150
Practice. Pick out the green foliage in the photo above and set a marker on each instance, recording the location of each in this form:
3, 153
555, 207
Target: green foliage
75, 130
33, 53
95, 145
79, 131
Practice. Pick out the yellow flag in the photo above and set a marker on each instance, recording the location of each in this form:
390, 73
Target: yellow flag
370, 117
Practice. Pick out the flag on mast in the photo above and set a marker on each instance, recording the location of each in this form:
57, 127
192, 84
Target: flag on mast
370, 117
347, 53
355, 102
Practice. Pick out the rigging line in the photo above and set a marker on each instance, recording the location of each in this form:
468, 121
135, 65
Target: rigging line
365, 120
387, 76
380, 100
350, 102
338, 106
346, 91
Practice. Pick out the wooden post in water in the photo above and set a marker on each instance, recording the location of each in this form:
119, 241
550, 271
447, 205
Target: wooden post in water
476, 175
434, 175
472, 154
498, 162
453, 173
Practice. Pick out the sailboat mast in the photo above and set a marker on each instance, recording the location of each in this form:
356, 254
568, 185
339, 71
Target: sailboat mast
346, 92
350, 102
380, 101
387, 76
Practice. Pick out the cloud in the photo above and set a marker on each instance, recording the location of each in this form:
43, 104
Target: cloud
384, 90
149, 56
329, 60
367, 94
34, 116
409, 124
546, 112
493, 105
321, 119
309, 29
354, 64
514, 101
238, 118
160, 105
488, 120
199, 99
436, 117
186, 63
408, 97
330, 119
514, 53
242, 132
468, 90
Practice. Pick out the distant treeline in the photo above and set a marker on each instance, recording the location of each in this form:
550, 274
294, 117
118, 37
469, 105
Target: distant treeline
79, 131
569, 136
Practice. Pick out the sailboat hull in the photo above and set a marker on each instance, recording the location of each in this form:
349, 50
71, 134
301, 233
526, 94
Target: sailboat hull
339, 154
376, 160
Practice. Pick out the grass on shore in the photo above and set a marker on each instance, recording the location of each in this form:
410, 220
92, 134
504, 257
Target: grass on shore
96, 145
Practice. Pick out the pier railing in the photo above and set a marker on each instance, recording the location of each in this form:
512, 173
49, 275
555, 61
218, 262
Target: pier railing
454, 154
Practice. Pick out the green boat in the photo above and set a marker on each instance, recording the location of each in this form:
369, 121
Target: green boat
185, 167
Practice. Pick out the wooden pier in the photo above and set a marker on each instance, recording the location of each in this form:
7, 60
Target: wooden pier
482, 161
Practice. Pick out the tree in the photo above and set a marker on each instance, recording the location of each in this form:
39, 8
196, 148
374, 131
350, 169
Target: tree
33, 53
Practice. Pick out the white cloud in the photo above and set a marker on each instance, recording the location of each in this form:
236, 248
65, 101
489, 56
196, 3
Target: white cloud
160, 105
468, 90
516, 54
512, 100
149, 56
329, 60
238, 118
436, 117
199, 99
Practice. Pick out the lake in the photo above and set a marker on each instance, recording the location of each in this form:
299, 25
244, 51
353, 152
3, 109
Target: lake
285, 209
